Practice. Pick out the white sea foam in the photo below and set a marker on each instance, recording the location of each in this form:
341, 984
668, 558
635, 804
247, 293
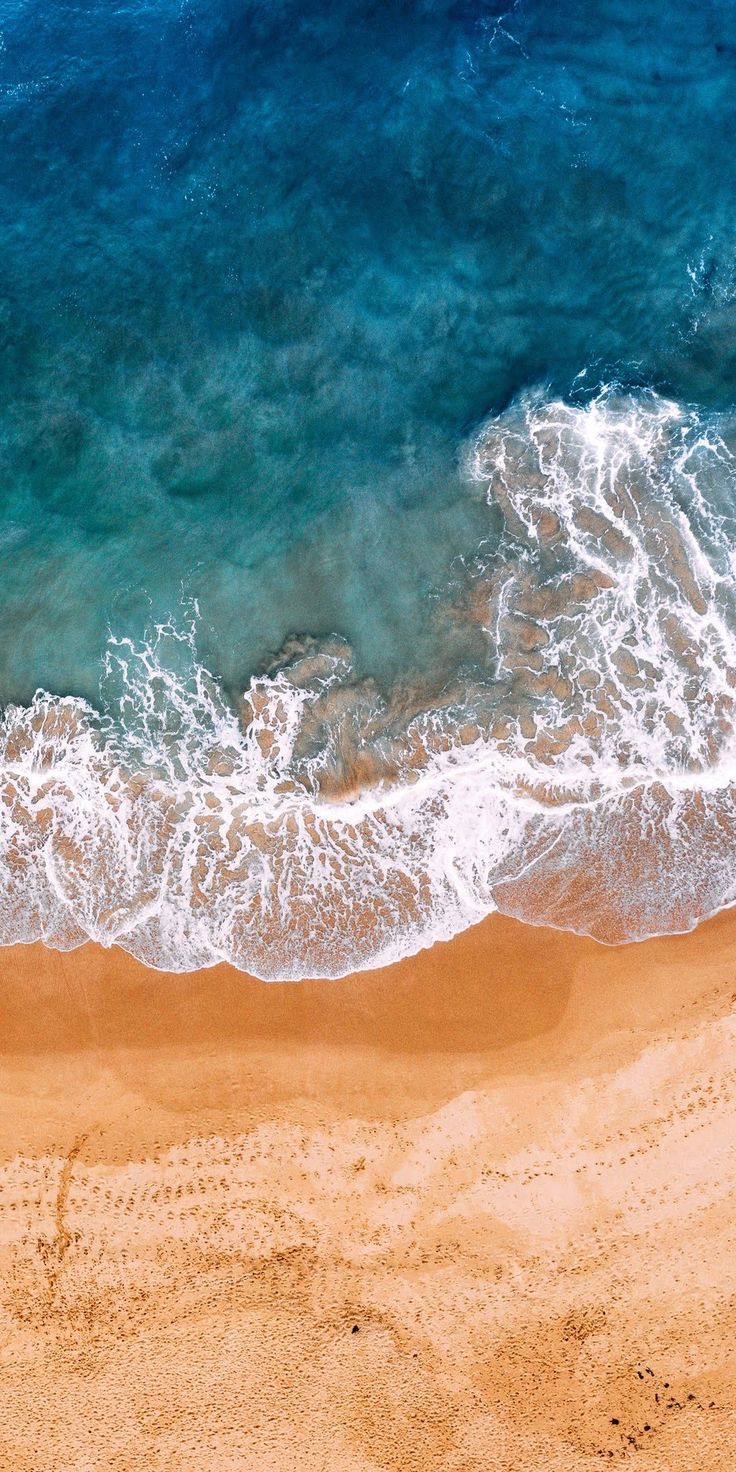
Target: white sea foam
587, 779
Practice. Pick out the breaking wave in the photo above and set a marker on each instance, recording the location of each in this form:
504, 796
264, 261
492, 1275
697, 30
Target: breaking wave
582, 776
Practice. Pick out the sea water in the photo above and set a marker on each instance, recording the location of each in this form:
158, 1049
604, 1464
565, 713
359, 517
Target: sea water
368, 454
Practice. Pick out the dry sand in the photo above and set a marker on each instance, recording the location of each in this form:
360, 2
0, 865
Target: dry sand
472, 1212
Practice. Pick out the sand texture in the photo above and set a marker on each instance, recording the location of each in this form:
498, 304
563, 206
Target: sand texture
471, 1214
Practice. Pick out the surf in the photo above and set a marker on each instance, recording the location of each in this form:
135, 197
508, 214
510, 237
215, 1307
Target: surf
580, 773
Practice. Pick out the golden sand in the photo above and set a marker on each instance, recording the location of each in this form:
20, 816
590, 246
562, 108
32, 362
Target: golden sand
474, 1213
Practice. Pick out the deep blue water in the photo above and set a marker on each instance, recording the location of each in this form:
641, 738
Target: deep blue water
264, 268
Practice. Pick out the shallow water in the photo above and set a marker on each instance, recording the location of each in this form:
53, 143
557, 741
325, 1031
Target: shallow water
305, 317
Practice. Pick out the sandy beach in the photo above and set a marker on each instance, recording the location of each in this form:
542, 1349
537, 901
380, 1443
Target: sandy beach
472, 1212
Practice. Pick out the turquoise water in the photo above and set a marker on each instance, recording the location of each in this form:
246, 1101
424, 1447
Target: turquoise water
269, 275
265, 267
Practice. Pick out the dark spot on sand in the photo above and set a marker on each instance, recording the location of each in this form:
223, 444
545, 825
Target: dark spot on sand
355, 1329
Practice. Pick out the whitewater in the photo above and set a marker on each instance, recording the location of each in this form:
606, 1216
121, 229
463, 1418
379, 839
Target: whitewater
579, 773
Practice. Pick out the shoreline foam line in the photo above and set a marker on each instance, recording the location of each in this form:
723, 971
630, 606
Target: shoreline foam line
583, 776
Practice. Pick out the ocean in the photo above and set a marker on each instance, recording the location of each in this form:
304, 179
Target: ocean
368, 456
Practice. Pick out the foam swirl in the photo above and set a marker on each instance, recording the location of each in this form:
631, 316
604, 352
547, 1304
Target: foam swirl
584, 777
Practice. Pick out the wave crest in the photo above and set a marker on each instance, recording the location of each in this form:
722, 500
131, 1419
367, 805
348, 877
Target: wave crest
584, 777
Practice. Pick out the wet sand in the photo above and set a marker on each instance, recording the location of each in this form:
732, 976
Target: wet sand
471, 1212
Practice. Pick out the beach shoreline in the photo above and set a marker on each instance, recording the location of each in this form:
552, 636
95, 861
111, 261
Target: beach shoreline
448, 1215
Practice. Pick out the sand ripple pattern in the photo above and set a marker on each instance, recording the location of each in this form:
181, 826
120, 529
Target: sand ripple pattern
583, 775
